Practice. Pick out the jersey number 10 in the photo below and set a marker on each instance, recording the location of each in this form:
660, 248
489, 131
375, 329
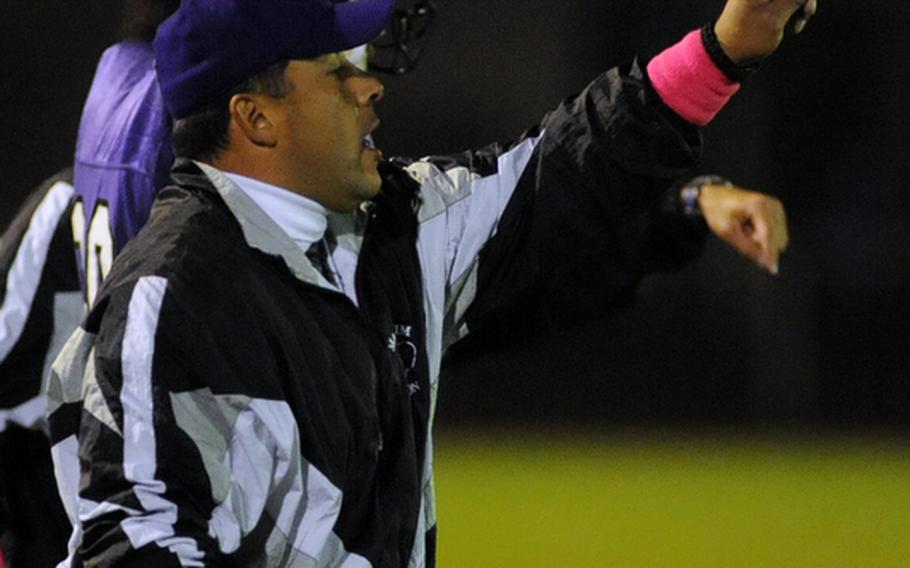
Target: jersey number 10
95, 247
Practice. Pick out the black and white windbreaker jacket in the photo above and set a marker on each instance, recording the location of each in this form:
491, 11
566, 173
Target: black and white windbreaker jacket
224, 405
40, 306
40, 298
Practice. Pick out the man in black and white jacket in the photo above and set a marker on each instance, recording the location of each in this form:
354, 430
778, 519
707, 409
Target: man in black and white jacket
255, 383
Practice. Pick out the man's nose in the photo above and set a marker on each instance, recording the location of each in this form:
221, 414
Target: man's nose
370, 90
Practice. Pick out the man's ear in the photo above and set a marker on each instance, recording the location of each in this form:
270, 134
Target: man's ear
253, 120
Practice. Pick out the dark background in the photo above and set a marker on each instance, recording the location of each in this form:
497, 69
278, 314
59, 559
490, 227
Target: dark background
823, 125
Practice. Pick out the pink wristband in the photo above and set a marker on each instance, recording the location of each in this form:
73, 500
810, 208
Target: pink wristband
689, 82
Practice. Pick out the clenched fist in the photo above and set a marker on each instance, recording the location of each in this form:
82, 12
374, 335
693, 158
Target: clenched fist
750, 30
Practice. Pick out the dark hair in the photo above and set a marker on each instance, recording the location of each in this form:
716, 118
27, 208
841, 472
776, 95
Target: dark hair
204, 134
141, 18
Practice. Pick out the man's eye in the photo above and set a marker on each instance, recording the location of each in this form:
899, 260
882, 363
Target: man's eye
342, 71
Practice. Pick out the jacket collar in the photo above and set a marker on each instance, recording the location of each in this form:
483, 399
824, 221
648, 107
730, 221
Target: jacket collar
260, 231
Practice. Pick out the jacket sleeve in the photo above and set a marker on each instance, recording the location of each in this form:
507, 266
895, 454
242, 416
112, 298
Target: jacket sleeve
165, 453
40, 298
132, 482
561, 225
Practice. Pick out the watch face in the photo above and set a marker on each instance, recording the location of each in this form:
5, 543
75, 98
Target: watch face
689, 199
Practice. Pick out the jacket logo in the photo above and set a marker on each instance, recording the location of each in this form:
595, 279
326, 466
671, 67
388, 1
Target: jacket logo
400, 342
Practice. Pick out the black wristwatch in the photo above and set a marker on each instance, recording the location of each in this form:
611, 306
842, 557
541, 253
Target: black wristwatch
691, 191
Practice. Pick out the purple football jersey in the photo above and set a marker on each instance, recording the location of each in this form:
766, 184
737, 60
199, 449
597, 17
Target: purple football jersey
123, 157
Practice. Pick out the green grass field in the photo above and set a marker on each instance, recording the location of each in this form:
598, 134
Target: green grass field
666, 501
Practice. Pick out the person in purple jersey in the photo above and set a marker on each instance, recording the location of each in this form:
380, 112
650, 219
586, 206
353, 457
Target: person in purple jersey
123, 152
123, 157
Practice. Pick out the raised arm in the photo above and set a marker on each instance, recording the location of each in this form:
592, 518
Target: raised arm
573, 216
